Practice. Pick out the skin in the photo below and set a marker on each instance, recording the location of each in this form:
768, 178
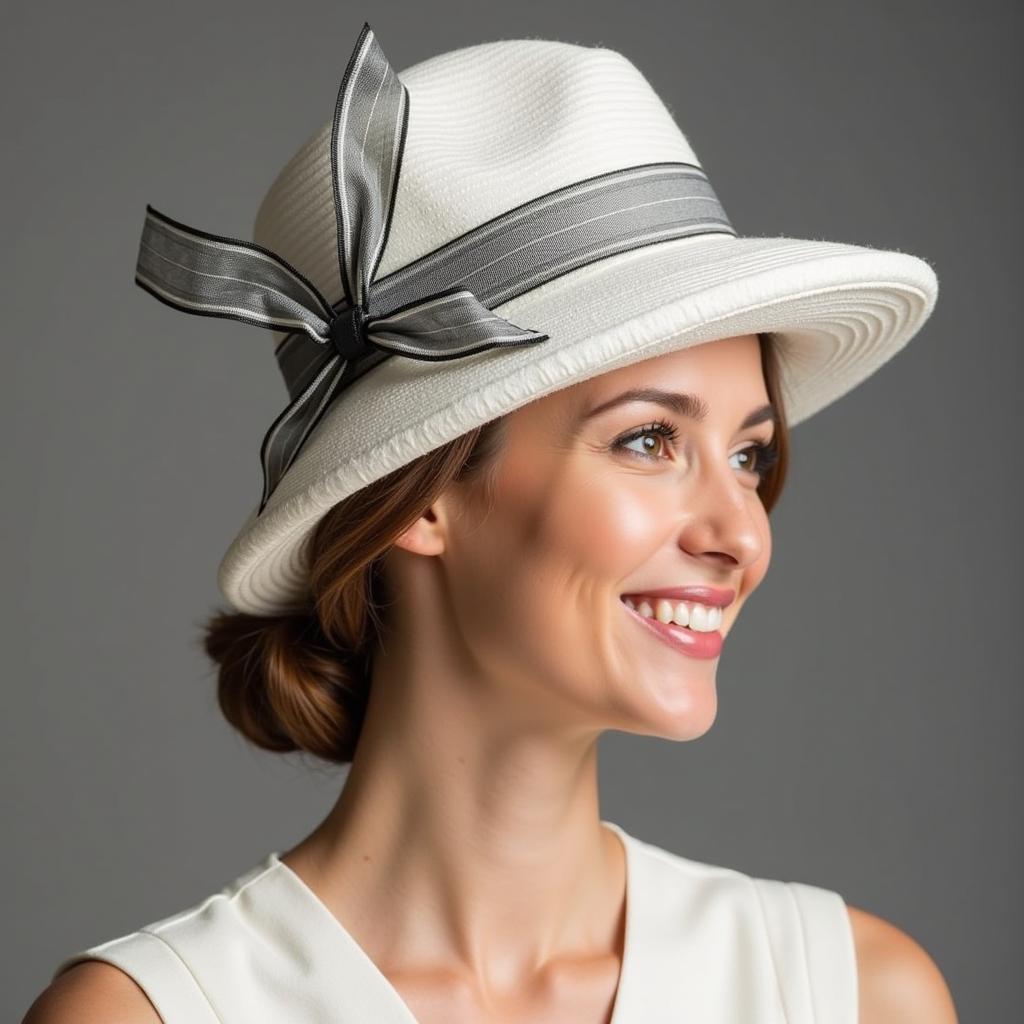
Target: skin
465, 852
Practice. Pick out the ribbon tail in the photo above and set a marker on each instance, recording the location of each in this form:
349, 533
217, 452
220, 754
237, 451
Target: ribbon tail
289, 431
212, 275
371, 118
449, 325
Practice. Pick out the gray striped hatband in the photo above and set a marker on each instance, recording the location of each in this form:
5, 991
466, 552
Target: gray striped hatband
438, 306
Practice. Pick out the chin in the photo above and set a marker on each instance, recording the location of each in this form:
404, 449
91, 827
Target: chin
682, 710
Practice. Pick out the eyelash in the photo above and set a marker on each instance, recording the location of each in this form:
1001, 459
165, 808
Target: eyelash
767, 454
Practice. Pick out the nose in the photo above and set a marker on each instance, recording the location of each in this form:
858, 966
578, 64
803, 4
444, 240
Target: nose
725, 518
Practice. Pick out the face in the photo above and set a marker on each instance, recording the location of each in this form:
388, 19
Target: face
591, 506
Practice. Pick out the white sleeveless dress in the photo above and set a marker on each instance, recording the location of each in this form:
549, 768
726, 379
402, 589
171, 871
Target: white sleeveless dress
703, 945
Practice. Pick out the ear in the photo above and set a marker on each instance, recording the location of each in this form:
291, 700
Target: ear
429, 534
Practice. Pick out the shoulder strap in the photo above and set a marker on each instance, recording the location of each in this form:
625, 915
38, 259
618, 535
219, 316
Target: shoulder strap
158, 970
812, 947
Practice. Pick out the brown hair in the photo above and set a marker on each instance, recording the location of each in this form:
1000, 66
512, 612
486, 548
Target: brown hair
299, 681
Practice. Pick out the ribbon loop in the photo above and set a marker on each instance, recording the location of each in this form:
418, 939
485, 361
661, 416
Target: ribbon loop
367, 141
213, 275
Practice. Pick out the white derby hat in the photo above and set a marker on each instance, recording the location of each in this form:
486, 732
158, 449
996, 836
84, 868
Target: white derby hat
493, 224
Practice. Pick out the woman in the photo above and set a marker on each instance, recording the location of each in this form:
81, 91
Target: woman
481, 544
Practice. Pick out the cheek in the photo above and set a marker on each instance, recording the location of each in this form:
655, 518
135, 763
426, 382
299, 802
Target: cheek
607, 524
574, 518
595, 530
561, 542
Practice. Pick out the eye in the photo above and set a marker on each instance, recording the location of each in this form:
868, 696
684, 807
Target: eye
760, 457
660, 429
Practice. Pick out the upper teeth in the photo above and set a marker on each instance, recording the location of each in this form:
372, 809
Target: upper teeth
699, 617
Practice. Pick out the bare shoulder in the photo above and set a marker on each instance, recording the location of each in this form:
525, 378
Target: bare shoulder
92, 992
898, 982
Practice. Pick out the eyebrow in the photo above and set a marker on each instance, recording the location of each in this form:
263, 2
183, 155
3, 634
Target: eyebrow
682, 403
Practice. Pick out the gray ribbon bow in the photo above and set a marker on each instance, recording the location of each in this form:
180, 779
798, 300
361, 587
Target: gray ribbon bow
212, 275
425, 310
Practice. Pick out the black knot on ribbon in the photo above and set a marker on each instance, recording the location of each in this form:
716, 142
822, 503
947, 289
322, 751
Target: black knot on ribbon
347, 332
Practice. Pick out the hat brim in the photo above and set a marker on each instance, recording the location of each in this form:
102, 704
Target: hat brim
838, 311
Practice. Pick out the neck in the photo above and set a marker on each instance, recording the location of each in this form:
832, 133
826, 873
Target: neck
466, 839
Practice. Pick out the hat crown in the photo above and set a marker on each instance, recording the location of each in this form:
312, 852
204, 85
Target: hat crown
491, 126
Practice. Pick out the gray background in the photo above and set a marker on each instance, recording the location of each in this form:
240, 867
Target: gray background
870, 701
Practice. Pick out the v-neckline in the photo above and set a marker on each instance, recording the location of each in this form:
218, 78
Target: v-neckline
390, 999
